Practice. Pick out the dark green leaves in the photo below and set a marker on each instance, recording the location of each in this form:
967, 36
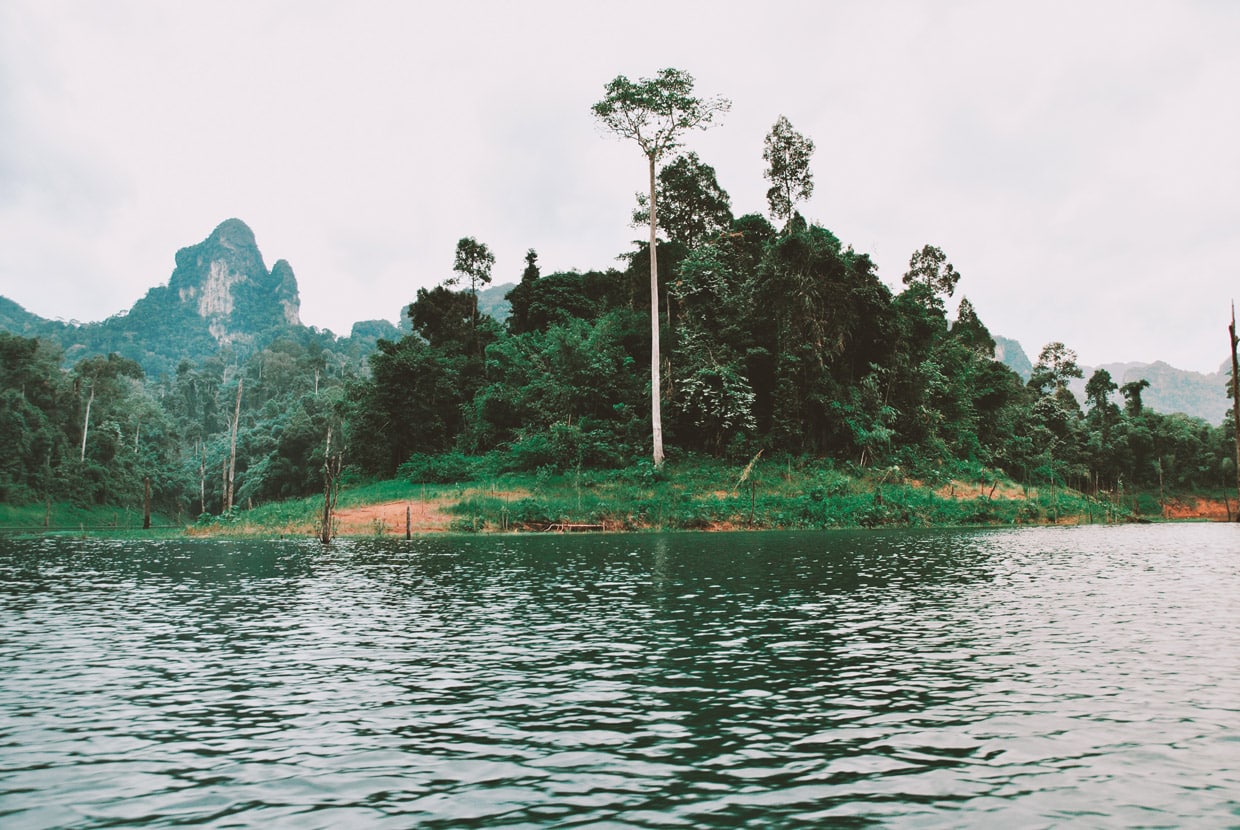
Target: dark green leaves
473, 263
692, 205
787, 153
655, 111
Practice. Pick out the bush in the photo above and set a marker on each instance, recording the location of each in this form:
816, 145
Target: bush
448, 468
467, 525
562, 447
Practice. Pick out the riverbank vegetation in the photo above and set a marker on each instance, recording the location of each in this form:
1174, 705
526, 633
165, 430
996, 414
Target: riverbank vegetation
798, 389
699, 494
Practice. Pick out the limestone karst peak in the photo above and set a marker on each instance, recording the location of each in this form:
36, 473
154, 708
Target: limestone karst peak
233, 233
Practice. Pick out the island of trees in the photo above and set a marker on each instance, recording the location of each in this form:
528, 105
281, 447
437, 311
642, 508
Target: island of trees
739, 344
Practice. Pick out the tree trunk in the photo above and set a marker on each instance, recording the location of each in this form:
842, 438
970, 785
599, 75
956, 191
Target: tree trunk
331, 487
325, 531
232, 452
656, 414
202, 481
1235, 393
86, 421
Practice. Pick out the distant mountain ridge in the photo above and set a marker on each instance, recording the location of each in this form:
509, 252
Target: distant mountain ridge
1011, 354
220, 295
17, 320
225, 281
493, 301
1171, 389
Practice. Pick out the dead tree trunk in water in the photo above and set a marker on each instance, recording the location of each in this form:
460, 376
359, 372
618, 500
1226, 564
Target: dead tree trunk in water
1235, 393
331, 488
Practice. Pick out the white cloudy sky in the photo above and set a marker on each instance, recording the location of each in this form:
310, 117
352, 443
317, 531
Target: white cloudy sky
1078, 161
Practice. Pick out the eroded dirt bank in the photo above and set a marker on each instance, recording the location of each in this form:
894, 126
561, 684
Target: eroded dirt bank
433, 516
389, 519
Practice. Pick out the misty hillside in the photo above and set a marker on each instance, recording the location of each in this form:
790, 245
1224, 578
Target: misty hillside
1171, 389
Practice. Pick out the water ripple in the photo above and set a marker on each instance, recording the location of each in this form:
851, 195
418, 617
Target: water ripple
1041, 677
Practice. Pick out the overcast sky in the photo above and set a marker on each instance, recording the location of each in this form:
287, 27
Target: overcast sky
1079, 162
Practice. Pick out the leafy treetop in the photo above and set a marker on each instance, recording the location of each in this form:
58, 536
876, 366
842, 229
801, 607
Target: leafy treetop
788, 153
655, 111
474, 261
932, 276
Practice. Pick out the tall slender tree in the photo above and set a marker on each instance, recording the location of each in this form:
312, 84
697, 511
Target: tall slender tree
655, 112
232, 451
692, 205
1055, 367
1133, 405
932, 276
473, 264
788, 153
532, 271
86, 421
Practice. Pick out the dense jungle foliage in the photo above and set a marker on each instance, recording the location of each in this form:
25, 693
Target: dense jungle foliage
776, 340
784, 342
780, 341
95, 433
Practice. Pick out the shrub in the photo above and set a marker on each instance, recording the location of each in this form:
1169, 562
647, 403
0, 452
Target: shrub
447, 468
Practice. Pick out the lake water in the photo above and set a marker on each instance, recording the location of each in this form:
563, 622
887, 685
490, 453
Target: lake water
1010, 678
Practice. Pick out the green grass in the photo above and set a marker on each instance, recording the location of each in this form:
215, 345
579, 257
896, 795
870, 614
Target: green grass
687, 494
302, 517
67, 517
704, 494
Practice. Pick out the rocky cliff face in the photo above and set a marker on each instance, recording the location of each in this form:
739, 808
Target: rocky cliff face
1010, 353
219, 295
224, 281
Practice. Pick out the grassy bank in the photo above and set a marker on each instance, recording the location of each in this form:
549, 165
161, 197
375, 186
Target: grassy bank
304, 516
67, 517
688, 495
698, 494
707, 496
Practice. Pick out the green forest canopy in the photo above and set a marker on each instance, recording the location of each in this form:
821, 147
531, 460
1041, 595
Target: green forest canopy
780, 339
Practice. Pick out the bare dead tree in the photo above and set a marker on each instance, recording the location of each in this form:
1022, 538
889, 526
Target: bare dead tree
331, 488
